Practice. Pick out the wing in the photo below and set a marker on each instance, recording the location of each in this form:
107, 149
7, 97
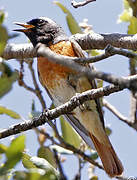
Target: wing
80, 53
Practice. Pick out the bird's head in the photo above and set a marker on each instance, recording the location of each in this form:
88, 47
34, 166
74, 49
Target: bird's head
42, 30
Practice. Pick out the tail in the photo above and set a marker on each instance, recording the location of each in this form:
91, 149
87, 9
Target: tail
111, 162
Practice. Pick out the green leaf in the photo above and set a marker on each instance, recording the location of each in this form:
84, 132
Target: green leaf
13, 154
14, 151
132, 28
124, 17
44, 164
3, 148
20, 175
35, 174
72, 24
3, 38
126, 14
49, 176
9, 112
69, 134
99, 83
2, 16
108, 131
94, 178
61, 150
7, 78
46, 153
94, 155
95, 52
26, 161
5, 69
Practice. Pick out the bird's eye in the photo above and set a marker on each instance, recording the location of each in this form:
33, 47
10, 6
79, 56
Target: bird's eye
41, 20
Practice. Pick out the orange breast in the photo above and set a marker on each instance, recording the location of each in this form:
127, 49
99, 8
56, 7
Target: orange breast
49, 72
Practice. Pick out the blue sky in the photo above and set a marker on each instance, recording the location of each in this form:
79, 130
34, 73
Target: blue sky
102, 15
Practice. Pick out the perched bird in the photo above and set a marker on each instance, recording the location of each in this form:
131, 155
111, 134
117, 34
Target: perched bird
62, 83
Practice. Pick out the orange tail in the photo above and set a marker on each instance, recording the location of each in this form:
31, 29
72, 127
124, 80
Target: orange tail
111, 163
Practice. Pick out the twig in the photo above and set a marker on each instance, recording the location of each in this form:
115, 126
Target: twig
21, 81
80, 4
133, 108
62, 175
125, 178
109, 51
124, 52
37, 89
116, 112
23, 84
63, 109
133, 99
78, 175
120, 116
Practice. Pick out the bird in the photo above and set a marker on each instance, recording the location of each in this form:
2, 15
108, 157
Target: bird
62, 83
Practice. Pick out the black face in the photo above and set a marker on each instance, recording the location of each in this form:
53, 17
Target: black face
43, 30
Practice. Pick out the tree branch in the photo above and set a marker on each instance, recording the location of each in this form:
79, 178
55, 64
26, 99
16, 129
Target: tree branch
86, 41
100, 41
109, 51
133, 99
63, 109
80, 4
62, 175
116, 112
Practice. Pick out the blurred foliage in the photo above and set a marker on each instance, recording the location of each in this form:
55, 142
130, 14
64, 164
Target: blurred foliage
72, 24
2, 16
7, 78
61, 150
3, 32
13, 155
69, 134
12, 114
36, 168
3, 38
133, 5
129, 15
26, 161
3, 148
46, 153
108, 131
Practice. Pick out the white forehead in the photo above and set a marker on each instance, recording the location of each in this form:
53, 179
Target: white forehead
47, 19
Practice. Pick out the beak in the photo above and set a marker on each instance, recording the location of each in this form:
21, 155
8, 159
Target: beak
25, 25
